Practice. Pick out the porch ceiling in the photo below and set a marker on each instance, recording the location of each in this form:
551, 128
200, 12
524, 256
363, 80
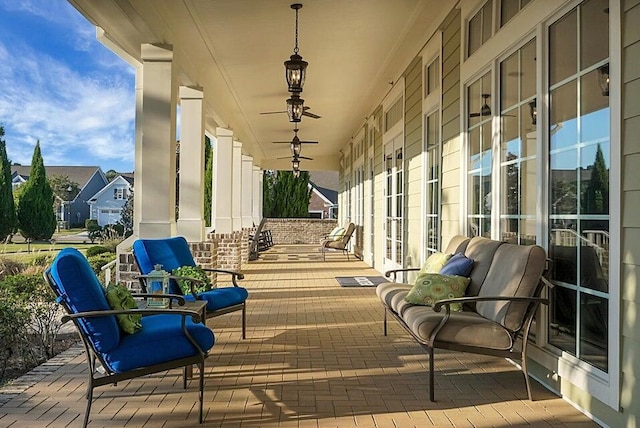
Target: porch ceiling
235, 50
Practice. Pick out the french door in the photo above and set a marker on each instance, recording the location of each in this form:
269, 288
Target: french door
394, 203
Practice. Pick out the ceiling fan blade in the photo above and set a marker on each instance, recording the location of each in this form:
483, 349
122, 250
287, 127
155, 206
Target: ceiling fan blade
475, 114
302, 157
289, 142
311, 115
273, 112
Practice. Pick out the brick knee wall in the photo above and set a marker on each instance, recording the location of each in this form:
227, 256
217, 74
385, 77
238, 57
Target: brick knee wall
229, 249
298, 230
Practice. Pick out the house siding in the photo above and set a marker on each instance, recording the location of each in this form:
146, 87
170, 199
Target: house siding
413, 164
451, 140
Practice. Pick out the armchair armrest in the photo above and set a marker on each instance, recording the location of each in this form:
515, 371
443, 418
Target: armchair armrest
155, 311
234, 274
447, 302
393, 272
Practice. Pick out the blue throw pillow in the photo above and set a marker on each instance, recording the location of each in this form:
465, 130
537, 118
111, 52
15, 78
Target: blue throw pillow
459, 265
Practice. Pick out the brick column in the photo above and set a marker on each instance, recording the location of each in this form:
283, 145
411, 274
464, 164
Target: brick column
229, 249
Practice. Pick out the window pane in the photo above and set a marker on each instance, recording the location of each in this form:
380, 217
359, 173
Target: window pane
528, 70
594, 255
594, 23
562, 116
562, 322
562, 48
510, 136
594, 313
475, 33
508, 9
564, 187
528, 190
509, 78
474, 149
487, 21
433, 76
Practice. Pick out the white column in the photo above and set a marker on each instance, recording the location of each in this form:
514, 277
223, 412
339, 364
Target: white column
247, 191
191, 195
137, 154
256, 206
236, 186
155, 175
222, 175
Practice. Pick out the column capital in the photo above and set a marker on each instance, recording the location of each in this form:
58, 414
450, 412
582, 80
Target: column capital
191, 93
237, 144
223, 132
156, 52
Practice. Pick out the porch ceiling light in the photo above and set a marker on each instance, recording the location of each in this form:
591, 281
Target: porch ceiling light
295, 67
295, 162
296, 147
603, 79
295, 108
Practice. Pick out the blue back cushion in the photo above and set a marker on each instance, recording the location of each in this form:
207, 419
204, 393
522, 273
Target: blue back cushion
171, 253
76, 283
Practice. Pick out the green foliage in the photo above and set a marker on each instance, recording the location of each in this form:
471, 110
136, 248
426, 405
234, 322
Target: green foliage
9, 267
7, 207
98, 261
63, 188
126, 219
195, 272
111, 174
98, 249
93, 230
596, 196
31, 293
36, 218
13, 318
208, 180
286, 196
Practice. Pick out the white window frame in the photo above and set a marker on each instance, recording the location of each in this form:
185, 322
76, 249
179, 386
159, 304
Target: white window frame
603, 386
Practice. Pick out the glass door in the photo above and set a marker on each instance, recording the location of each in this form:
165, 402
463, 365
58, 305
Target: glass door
394, 203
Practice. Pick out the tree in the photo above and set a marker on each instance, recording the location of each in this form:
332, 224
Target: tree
596, 196
126, 218
7, 207
208, 180
285, 195
110, 175
65, 191
36, 219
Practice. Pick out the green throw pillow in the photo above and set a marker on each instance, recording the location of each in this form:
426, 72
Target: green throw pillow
195, 272
119, 297
435, 262
432, 287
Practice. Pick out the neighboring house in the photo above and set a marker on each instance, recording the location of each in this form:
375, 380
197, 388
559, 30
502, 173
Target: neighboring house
90, 179
324, 195
106, 205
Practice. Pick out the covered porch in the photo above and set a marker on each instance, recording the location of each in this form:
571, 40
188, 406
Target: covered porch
314, 356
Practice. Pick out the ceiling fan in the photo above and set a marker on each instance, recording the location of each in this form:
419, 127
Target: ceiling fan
306, 112
485, 110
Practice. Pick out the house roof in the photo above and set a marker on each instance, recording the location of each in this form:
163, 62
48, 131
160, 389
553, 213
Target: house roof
76, 174
324, 179
117, 180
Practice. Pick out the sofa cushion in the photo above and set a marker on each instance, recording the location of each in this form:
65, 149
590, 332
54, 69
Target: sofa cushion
430, 288
481, 251
463, 328
223, 297
388, 290
516, 273
435, 262
161, 339
457, 244
459, 265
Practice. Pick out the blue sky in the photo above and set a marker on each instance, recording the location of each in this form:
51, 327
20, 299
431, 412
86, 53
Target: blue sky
60, 86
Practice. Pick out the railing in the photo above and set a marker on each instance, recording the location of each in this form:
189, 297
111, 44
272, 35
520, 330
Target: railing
596, 239
107, 271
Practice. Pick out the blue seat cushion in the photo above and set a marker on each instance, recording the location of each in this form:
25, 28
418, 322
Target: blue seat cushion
160, 340
223, 297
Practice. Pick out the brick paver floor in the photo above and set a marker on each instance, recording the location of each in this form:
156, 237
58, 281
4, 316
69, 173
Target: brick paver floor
314, 356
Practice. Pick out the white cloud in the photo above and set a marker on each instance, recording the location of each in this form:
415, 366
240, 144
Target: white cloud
79, 119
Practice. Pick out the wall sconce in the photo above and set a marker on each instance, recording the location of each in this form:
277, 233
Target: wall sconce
295, 108
603, 79
533, 111
295, 67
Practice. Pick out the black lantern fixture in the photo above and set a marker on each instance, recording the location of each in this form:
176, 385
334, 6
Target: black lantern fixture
296, 147
295, 67
295, 163
533, 111
295, 108
603, 79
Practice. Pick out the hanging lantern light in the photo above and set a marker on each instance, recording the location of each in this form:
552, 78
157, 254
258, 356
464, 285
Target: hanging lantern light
295, 108
295, 67
295, 162
296, 147
533, 111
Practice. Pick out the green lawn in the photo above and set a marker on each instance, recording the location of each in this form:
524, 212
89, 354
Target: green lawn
22, 250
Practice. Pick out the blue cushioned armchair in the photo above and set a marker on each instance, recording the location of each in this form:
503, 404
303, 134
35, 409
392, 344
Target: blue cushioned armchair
173, 253
176, 337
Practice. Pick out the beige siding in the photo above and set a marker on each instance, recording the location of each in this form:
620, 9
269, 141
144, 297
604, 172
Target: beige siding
451, 194
378, 184
630, 385
413, 164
